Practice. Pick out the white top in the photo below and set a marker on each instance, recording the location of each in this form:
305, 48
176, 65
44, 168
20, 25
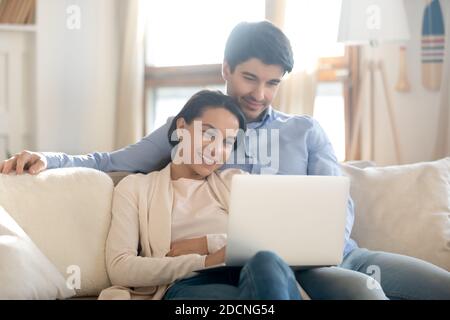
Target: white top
197, 213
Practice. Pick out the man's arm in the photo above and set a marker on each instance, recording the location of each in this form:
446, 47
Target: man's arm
322, 161
149, 154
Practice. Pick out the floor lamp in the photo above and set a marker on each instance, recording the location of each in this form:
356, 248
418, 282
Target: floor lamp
365, 22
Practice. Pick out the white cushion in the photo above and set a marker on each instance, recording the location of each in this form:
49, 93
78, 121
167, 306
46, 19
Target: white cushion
403, 209
67, 213
362, 164
25, 272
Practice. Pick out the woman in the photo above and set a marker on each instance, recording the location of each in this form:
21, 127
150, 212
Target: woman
170, 223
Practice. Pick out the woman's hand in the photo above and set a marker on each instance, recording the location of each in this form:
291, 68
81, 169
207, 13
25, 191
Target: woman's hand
215, 258
196, 245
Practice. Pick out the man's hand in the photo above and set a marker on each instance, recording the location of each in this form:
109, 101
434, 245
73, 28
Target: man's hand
215, 258
33, 162
196, 245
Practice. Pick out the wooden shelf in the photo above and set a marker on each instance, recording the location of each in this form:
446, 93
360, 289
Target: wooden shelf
18, 27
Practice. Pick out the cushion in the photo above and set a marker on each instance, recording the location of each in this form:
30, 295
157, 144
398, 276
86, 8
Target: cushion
25, 272
362, 164
403, 209
67, 213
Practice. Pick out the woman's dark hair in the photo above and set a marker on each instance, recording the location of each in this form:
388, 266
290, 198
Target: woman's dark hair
202, 101
261, 40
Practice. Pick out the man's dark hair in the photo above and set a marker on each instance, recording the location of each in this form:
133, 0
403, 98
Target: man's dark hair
202, 101
261, 40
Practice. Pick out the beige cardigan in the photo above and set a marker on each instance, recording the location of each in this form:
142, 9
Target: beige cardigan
141, 216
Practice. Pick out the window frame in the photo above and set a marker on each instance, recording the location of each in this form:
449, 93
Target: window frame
183, 76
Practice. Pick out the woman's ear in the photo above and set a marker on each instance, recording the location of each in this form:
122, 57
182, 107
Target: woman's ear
181, 124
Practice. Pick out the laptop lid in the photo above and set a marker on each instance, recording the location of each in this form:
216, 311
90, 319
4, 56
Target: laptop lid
301, 218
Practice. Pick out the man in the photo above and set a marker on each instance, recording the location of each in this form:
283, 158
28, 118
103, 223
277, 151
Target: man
257, 56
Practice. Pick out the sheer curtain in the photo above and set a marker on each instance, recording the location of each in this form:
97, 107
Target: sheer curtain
130, 110
297, 91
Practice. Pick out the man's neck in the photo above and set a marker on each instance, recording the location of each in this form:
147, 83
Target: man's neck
260, 117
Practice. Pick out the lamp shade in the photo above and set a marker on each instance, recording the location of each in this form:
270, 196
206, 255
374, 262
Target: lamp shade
373, 21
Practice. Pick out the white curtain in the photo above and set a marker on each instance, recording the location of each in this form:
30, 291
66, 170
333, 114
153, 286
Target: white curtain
130, 109
297, 91
443, 135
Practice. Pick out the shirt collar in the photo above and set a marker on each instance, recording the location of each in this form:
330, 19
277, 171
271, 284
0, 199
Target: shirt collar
268, 114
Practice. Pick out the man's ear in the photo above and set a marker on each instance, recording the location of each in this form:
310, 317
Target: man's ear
226, 71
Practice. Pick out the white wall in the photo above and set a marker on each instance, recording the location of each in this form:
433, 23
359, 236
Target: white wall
76, 77
16, 65
416, 111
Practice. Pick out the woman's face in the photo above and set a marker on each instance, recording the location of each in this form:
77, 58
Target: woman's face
209, 139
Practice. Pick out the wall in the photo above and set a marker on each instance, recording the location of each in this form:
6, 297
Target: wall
76, 77
416, 111
16, 82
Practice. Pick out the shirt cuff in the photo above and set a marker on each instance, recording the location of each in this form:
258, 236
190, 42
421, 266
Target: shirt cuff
216, 241
52, 159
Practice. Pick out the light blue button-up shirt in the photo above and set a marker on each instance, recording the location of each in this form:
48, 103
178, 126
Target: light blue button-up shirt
277, 144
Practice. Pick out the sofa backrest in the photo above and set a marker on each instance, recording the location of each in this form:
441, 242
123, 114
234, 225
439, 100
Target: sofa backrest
67, 213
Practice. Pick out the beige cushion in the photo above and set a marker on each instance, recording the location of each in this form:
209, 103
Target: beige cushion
403, 209
67, 213
25, 272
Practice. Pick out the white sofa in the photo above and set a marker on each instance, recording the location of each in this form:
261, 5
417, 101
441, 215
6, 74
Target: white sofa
67, 212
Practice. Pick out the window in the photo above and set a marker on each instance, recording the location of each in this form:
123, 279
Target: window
329, 111
312, 28
194, 32
168, 101
185, 41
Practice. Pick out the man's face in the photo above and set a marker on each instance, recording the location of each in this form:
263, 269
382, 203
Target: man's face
254, 84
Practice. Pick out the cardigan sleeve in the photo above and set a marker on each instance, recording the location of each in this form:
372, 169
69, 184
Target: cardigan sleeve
125, 267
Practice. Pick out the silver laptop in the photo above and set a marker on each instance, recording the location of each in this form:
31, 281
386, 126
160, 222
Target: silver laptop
301, 218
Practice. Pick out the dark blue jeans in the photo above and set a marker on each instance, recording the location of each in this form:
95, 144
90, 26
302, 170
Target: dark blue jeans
376, 275
264, 277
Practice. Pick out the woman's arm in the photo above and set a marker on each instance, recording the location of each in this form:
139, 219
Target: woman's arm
125, 267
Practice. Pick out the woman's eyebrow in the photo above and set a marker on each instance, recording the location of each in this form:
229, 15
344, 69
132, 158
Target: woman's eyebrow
212, 127
208, 125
